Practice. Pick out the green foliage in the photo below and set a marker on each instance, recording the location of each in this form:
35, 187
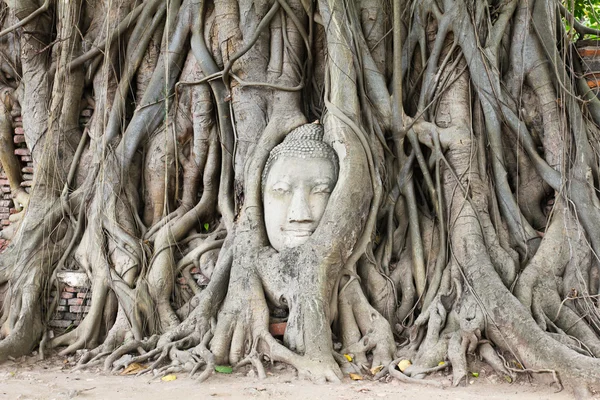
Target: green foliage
223, 369
586, 11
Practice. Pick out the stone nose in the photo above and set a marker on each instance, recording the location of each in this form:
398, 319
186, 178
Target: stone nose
299, 209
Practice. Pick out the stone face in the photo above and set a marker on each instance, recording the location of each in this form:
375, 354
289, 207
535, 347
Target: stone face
299, 178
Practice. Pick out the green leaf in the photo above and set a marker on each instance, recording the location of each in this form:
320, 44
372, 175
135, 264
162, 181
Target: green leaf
223, 369
475, 374
206, 226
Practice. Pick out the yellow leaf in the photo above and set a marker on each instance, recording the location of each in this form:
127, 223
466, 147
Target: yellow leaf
356, 377
507, 378
442, 363
348, 357
376, 370
133, 369
168, 378
404, 364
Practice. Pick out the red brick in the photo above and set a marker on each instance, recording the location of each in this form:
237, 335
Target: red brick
589, 52
4, 182
82, 295
27, 170
22, 152
26, 183
79, 309
19, 138
26, 159
18, 119
19, 131
75, 302
67, 295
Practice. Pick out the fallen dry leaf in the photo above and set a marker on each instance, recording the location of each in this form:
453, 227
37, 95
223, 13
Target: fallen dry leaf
133, 369
404, 364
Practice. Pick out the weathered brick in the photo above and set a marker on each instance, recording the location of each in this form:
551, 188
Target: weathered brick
26, 183
5, 222
75, 302
86, 112
73, 316
5, 189
60, 323
589, 52
19, 131
27, 177
23, 152
67, 295
62, 302
70, 289
27, 170
4, 210
62, 308
83, 295
80, 309
4, 182
19, 138
27, 159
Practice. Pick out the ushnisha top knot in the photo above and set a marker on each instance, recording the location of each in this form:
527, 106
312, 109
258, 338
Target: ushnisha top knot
306, 141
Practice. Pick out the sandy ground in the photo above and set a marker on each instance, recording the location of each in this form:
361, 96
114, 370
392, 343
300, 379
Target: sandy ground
29, 379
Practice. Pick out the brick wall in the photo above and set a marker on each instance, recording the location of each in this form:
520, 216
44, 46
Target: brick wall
7, 207
589, 50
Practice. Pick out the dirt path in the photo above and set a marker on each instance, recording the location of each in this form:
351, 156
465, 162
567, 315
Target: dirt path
52, 379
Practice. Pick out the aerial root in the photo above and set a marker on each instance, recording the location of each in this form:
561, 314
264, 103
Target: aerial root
187, 354
391, 369
254, 358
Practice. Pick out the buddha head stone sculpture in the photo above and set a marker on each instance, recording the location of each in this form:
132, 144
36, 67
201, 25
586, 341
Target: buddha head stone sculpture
297, 181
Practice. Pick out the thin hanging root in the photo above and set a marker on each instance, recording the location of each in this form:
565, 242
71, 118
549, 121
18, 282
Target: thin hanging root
555, 376
406, 379
489, 355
